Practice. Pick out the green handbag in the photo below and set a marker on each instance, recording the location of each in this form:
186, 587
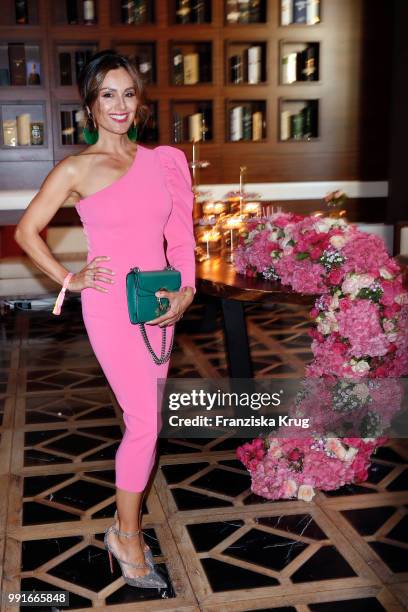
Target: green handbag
143, 305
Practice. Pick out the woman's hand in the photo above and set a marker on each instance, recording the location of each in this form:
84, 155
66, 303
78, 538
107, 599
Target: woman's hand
179, 302
91, 273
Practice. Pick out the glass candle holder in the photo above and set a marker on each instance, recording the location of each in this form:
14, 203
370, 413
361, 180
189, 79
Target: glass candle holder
251, 209
232, 227
208, 238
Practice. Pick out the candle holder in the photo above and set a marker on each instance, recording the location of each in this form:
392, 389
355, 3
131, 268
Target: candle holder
232, 228
196, 165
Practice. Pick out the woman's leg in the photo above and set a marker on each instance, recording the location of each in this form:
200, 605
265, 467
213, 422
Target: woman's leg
129, 506
133, 377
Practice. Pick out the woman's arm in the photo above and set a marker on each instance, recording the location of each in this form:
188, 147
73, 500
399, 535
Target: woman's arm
55, 189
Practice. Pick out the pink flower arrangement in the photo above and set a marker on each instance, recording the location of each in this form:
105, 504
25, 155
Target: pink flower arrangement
360, 331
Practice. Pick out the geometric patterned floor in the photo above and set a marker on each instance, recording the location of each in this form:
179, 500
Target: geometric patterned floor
221, 547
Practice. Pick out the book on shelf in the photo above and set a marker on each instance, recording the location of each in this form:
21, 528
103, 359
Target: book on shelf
191, 68
306, 12
135, 12
289, 68
236, 123
313, 12
194, 127
243, 11
254, 64
245, 123
300, 11
257, 121
300, 124
286, 12
89, 12
300, 65
17, 63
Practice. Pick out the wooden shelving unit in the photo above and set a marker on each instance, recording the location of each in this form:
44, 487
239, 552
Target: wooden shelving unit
330, 152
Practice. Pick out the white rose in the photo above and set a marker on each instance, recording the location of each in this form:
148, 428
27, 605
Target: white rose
384, 273
338, 241
322, 225
334, 445
360, 366
350, 453
289, 488
306, 492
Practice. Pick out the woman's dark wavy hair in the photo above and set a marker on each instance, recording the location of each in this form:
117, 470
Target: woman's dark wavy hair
93, 73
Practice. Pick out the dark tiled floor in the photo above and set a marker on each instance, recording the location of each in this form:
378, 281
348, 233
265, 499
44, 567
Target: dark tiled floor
220, 546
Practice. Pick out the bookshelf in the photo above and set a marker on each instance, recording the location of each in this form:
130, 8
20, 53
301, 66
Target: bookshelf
215, 65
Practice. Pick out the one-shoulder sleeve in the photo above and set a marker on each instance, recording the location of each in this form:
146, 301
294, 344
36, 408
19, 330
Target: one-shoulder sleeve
179, 228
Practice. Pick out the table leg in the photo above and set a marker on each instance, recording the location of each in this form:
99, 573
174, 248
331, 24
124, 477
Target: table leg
236, 339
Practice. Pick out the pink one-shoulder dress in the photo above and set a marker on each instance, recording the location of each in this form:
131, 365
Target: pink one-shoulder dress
127, 221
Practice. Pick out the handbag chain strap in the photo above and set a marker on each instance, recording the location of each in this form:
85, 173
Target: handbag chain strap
163, 357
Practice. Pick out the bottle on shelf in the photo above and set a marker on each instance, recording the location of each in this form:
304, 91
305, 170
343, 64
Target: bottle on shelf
183, 11
232, 11
21, 10
72, 12
67, 128
128, 11
17, 63
37, 133
178, 131
65, 68
236, 69
198, 11
10, 132
33, 75
178, 67
89, 12
254, 11
140, 10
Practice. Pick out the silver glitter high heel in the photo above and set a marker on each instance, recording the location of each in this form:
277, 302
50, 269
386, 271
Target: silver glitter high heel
147, 553
151, 580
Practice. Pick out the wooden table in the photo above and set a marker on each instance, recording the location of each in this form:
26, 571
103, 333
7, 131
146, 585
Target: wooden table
218, 279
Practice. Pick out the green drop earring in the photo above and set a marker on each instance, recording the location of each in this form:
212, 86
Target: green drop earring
132, 133
90, 137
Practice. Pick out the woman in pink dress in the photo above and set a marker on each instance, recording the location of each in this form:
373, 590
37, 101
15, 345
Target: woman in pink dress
128, 197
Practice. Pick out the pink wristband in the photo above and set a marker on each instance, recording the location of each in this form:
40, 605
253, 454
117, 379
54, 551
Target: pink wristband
61, 295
